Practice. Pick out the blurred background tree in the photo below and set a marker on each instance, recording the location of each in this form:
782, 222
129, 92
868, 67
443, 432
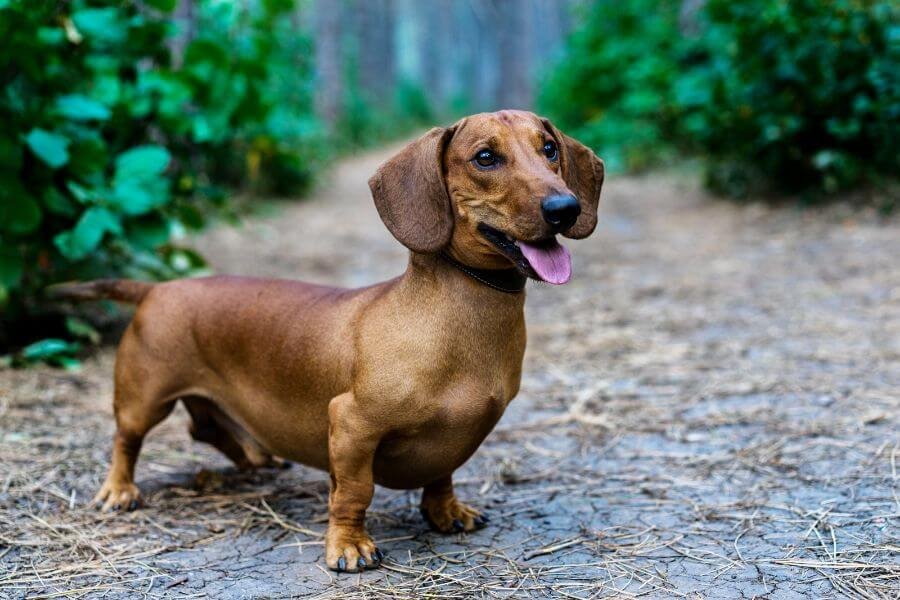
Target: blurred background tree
128, 124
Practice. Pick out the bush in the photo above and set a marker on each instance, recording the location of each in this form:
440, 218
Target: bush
108, 151
612, 89
789, 96
804, 95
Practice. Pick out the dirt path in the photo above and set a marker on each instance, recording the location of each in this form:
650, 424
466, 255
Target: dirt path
709, 410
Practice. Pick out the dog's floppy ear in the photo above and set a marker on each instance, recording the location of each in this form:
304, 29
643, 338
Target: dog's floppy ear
411, 195
583, 173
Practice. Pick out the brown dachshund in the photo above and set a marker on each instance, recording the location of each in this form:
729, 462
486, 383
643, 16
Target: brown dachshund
395, 384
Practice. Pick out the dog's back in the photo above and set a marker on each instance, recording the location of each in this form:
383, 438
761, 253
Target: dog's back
226, 339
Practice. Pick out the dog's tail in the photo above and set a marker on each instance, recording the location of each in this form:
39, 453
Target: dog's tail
123, 290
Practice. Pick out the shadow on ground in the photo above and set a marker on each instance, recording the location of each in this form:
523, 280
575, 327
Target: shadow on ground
709, 410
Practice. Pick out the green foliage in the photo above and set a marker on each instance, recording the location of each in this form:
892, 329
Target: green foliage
792, 96
109, 148
802, 94
54, 351
249, 73
412, 102
612, 89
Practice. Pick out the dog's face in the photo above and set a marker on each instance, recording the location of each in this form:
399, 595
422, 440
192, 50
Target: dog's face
493, 190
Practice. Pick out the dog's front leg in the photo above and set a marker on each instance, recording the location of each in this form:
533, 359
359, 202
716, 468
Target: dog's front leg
351, 449
444, 512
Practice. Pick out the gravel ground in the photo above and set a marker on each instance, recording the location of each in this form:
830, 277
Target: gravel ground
709, 410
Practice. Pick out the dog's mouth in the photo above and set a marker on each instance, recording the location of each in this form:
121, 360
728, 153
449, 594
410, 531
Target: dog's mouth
544, 260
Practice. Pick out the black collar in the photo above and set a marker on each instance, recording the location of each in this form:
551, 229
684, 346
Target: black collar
510, 281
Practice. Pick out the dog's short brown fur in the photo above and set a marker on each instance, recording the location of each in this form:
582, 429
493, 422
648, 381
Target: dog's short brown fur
397, 383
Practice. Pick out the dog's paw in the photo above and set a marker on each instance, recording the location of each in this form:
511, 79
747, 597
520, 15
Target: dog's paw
452, 516
350, 550
118, 497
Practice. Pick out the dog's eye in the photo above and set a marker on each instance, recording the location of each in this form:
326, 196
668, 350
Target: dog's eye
485, 158
551, 151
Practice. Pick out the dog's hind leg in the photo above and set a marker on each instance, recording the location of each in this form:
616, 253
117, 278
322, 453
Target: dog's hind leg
143, 397
135, 417
211, 425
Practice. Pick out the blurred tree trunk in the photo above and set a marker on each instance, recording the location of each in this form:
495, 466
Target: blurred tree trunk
330, 88
484, 82
464, 54
375, 46
185, 18
436, 46
689, 17
513, 25
550, 24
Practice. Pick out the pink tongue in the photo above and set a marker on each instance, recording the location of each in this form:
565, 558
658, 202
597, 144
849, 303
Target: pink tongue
551, 261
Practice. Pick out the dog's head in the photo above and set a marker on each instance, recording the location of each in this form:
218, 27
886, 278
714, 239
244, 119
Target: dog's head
493, 189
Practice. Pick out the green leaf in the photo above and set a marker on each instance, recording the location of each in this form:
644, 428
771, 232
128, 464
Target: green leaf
87, 233
191, 216
57, 203
142, 162
49, 147
51, 36
19, 213
149, 234
137, 197
82, 329
81, 108
10, 153
163, 5
107, 88
90, 159
278, 6
138, 186
12, 266
101, 24
81, 193
132, 197
73, 365
49, 348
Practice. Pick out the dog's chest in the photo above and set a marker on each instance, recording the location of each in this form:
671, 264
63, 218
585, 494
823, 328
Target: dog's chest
451, 376
469, 400
443, 441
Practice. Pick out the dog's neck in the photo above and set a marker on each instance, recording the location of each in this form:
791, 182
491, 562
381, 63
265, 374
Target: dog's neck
509, 281
448, 276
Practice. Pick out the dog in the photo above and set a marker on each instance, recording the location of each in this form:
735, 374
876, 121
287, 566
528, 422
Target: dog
397, 383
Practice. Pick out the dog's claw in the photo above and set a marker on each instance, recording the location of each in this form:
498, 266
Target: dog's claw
454, 517
379, 555
349, 549
117, 497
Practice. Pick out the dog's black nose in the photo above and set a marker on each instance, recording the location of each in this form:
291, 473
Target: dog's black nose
560, 211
